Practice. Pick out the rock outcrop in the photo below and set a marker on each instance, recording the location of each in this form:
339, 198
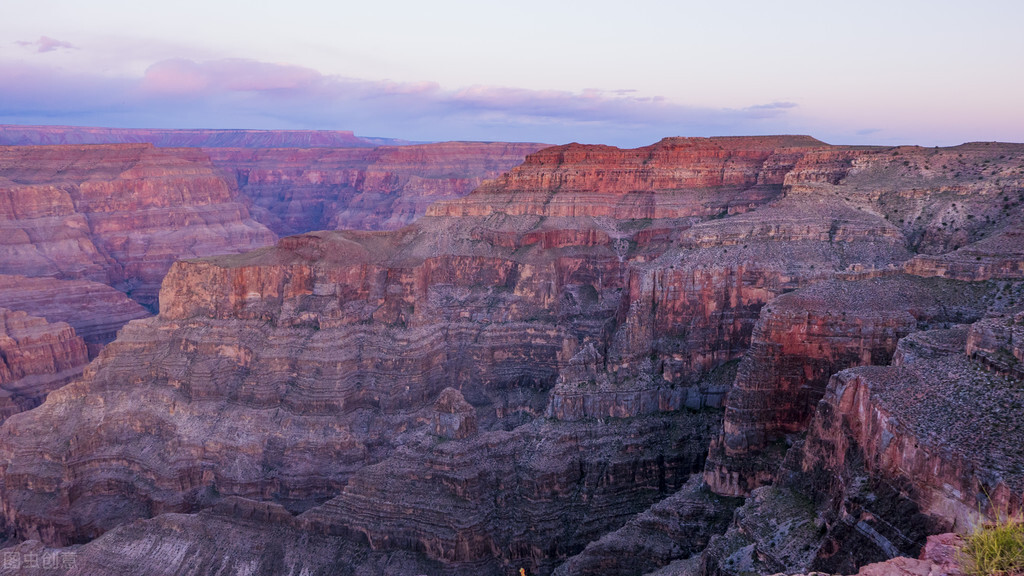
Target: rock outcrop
893, 453
803, 338
906, 421
998, 343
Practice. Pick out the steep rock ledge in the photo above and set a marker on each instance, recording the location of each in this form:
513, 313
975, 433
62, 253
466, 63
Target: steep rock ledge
906, 422
802, 339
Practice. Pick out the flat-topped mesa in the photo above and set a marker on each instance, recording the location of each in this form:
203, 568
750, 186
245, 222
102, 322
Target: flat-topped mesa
35, 358
690, 177
120, 214
334, 279
300, 190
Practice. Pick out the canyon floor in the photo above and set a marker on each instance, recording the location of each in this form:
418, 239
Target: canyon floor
743, 355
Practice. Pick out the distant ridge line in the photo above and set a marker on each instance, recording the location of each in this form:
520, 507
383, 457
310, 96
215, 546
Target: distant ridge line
24, 135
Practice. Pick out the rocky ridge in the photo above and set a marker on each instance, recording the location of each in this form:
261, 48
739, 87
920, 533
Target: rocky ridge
11, 135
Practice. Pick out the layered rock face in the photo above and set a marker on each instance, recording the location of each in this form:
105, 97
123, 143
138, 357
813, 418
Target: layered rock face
535, 366
35, 357
77, 216
679, 177
679, 526
54, 327
930, 443
301, 190
893, 453
117, 214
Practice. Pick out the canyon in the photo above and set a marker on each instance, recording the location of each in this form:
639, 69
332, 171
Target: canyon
703, 356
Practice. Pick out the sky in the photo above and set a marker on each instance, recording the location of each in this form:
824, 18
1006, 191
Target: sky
932, 73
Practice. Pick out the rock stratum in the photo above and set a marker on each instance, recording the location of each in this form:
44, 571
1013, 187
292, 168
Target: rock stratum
723, 356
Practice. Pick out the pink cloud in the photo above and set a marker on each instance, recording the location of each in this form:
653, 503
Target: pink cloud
235, 93
47, 44
256, 81
175, 77
183, 77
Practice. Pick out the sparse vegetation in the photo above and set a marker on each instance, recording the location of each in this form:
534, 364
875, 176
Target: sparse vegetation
995, 549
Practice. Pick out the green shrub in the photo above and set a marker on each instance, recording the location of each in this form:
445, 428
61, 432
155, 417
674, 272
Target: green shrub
994, 549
